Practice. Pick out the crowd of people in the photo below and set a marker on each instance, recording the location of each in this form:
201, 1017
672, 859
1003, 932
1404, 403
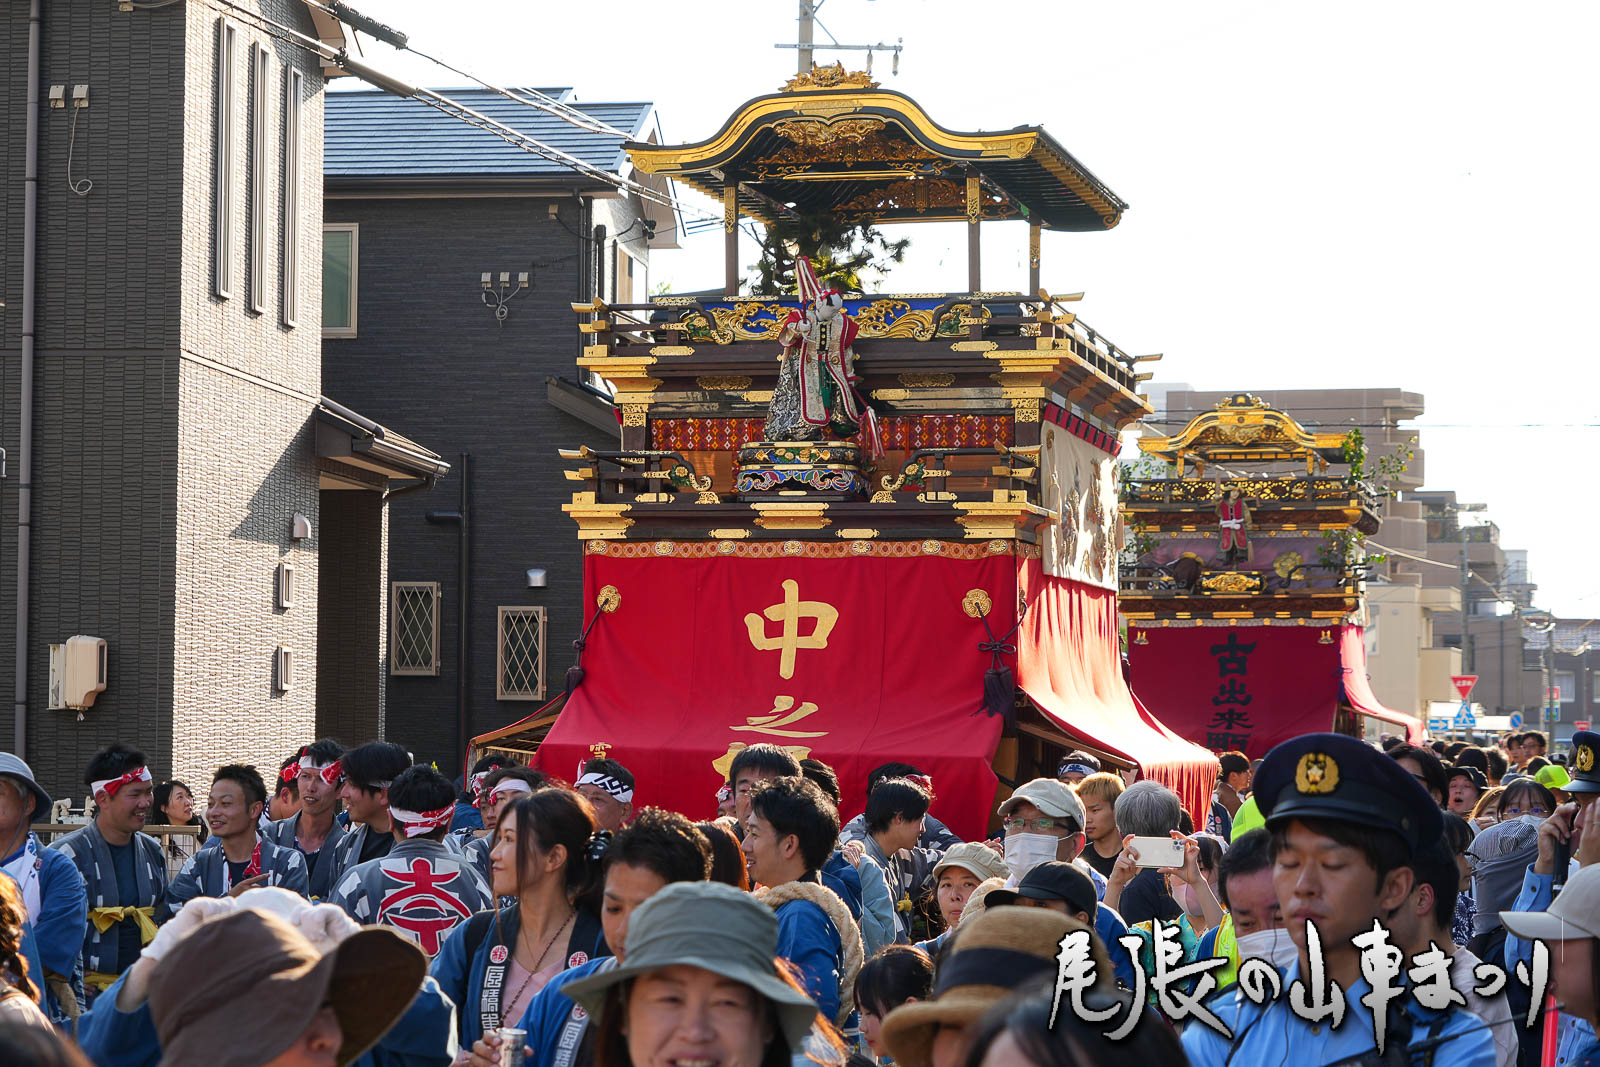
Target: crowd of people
1340, 901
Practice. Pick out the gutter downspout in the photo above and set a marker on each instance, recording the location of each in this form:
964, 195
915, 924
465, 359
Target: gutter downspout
463, 517
30, 234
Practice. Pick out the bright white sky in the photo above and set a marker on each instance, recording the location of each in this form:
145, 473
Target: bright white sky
1368, 194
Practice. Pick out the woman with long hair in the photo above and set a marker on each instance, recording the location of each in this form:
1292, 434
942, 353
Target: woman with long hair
19, 997
546, 858
666, 1004
727, 859
173, 805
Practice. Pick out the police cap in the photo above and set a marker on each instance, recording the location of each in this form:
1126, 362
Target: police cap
1585, 763
1331, 776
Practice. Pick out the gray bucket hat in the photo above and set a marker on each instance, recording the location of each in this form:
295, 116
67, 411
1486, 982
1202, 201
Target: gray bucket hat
714, 927
12, 767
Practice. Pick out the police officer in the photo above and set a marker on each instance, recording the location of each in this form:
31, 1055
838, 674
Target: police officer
1345, 822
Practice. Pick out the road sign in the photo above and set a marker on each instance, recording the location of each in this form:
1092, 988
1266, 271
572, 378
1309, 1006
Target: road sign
1516, 720
1438, 724
1464, 718
1464, 683
1580, 724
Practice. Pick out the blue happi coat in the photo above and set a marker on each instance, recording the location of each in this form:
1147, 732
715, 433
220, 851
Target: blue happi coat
282, 833
53, 937
421, 889
205, 875
92, 856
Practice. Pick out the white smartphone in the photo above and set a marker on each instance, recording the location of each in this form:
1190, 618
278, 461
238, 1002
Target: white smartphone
1158, 851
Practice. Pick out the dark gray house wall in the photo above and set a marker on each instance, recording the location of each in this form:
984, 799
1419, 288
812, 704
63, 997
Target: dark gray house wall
172, 440
430, 357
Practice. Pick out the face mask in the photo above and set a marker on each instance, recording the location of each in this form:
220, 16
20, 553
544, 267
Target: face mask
1275, 946
1188, 901
1024, 852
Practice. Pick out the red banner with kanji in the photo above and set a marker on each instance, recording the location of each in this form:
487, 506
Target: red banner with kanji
853, 658
1244, 688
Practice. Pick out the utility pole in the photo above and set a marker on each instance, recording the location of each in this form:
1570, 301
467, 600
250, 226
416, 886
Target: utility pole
808, 17
806, 44
1466, 580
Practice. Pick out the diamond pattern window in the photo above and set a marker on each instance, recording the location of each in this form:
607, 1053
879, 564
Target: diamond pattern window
414, 629
519, 673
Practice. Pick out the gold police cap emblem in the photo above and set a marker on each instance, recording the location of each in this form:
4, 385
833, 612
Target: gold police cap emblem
1316, 772
1584, 760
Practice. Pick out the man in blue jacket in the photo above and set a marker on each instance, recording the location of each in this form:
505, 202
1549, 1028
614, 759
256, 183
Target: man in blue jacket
789, 835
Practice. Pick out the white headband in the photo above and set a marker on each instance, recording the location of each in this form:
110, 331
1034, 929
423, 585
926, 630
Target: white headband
112, 785
508, 785
416, 823
620, 792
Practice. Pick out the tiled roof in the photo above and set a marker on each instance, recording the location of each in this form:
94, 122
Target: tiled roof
378, 135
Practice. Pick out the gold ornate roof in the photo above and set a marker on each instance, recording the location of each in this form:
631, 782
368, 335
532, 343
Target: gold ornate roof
1243, 429
836, 141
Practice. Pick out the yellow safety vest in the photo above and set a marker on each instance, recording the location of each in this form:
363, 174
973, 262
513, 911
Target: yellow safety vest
1227, 948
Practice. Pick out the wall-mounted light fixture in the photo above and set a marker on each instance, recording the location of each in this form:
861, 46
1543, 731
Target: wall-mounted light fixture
498, 297
536, 578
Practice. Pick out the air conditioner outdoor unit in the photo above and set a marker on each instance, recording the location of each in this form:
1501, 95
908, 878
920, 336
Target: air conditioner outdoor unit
77, 672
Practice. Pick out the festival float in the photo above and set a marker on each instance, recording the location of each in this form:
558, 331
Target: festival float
1244, 582
834, 521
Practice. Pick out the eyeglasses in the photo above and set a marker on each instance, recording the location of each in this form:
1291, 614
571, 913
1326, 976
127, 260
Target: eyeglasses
1022, 826
1514, 812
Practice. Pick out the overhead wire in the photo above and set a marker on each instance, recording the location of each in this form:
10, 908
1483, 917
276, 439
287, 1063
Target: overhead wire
457, 110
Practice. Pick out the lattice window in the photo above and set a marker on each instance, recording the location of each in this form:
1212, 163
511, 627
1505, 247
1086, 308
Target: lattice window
519, 665
414, 628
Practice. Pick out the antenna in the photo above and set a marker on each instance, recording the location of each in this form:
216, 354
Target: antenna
807, 47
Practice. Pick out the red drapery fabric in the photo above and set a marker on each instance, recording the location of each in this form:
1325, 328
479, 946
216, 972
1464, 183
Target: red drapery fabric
1358, 687
1069, 664
884, 666
1249, 688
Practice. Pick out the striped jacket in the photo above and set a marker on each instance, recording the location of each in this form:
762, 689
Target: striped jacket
321, 873
421, 888
92, 856
206, 874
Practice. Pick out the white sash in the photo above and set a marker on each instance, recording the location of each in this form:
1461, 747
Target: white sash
25, 869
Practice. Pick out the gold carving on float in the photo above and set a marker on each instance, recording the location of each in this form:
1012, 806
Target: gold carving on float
794, 162
930, 548
890, 394
821, 135
1232, 582
663, 548
927, 381
757, 396
860, 548
857, 534
976, 603
792, 515
974, 346
998, 547
793, 548
723, 381
1289, 566
924, 196
598, 521
671, 350
634, 414
609, 599
873, 320
974, 198
833, 76
1026, 410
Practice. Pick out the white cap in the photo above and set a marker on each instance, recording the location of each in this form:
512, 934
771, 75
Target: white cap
1574, 915
1050, 796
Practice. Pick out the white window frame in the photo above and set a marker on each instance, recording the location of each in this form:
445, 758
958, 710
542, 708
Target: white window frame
222, 274
396, 589
261, 75
293, 106
501, 690
354, 229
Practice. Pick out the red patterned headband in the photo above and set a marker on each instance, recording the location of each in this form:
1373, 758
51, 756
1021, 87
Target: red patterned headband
290, 772
112, 785
329, 772
415, 823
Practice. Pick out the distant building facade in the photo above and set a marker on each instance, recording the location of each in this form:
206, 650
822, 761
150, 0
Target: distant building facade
179, 427
431, 229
